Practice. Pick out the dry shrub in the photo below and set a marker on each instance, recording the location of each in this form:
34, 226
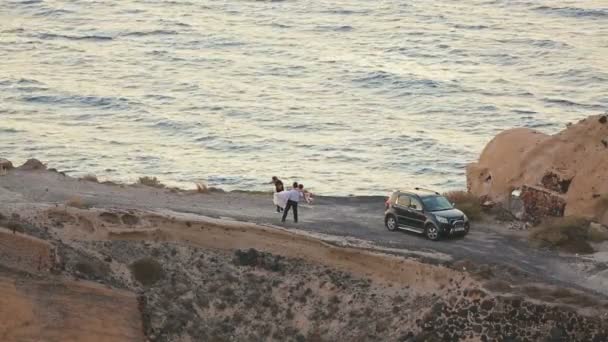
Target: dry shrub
202, 188
150, 181
597, 233
76, 202
15, 226
601, 206
147, 271
90, 178
467, 203
569, 234
92, 269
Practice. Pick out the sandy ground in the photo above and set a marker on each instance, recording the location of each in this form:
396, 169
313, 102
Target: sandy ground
184, 266
357, 220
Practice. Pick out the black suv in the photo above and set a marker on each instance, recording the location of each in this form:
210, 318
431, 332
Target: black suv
424, 212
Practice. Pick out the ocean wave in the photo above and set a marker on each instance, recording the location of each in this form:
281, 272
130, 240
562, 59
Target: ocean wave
79, 101
542, 43
28, 2
52, 12
20, 82
50, 36
574, 11
174, 126
338, 28
9, 130
376, 79
345, 12
149, 33
470, 27
568, 103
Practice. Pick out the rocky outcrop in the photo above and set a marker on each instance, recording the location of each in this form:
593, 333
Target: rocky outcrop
5, 164
561, 174
32, 164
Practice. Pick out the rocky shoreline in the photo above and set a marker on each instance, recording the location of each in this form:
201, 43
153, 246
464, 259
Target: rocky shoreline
536, 176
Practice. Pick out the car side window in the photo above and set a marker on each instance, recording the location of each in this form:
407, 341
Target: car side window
403, 201
415, 204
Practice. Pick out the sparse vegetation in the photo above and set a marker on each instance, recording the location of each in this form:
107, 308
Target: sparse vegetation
147, 271
202, 188
467, 202
91, 270
601, 206
15, 226
569, 234
90, 178
76, 202
150, 181
597, 233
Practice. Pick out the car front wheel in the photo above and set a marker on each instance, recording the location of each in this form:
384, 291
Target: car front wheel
391, 223
431, 232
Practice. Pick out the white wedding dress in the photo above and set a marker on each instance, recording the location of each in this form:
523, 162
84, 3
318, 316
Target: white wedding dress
280, 198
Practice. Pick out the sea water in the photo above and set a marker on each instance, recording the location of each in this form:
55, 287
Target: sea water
348, 97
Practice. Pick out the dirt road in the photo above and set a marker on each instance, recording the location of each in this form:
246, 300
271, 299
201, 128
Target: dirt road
349, 217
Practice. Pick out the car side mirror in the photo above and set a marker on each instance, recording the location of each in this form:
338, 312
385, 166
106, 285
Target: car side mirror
453, 204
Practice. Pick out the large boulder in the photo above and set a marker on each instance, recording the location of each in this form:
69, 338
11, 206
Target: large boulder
32, 164
5, 164
568, 167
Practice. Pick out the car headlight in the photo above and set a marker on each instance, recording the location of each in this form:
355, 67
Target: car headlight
441, 219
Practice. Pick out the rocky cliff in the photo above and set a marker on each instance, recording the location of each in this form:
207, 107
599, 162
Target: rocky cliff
555, 175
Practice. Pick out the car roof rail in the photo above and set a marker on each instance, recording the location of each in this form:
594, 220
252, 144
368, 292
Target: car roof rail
424, 189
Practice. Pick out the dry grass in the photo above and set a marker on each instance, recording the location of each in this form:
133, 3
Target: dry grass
601, 206
569, 234
90, 178
150, 181
202, 188
467, 202
597, 233
76, 202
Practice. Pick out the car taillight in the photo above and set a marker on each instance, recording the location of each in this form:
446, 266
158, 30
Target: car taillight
387, 203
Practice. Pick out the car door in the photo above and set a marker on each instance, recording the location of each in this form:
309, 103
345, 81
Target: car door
402, 207
416, 214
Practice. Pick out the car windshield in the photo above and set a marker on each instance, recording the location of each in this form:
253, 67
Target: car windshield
436, 203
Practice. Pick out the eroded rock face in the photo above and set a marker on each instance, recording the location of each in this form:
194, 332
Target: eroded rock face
568, 168
538, 203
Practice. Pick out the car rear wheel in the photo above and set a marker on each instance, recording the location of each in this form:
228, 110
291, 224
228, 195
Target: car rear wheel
431, 232
391, 223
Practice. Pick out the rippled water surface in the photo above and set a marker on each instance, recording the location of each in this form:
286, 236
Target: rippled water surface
346, 96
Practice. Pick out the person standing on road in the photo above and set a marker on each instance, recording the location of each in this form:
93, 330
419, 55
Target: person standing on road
292, 202
278, 187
